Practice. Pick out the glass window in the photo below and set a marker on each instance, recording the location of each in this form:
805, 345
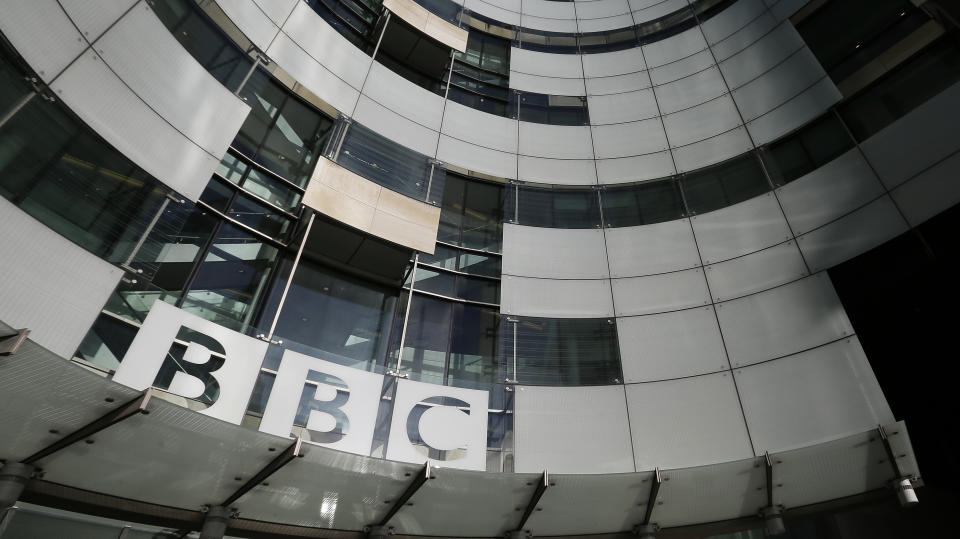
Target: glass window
436, 282
641, 204
427, 339
553, 109
473, 347
724, 185
471, 214
565, 352
482, 290
479, 264
807, 149
558, 208
259, 216
442, 257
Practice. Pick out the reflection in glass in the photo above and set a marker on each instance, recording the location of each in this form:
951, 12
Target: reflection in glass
806, 150
642, 204
724, 185
427, 340
473, 347
558, 208
565, 352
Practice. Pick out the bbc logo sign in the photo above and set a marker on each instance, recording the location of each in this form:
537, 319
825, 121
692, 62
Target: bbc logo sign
445, 425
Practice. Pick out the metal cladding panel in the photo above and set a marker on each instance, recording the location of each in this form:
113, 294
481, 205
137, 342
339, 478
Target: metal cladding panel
477, 158
687, 422
327, 47
546, 64
512, 5
42, 33
779, 85
799, 110
586, 504
732, 19
605, 64
395, 127
930, 192
702, 121
690, 91
312, 74
649, 249
829, 192
784, 9
474, 126
712, 150
605, 23
497, 13
548, 9
670, 345
614, 84
675, 47
93, 17
556, 253
756, 272
277, 10
660, 293
546, 85
557, 171
555, 298
550, 25
744, 37
141, 51
598, 9
914, 142
623, 107
782, 321
762, 55
852, 234
811, 397
108, 106
711, 493
50, 286
557, 141
636, 168
252, 21
683, 67
648, 10
628, 139
572, 430
740, 229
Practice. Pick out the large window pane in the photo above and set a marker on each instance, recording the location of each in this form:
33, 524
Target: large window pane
641, 204
724, 185
565, 352
427, 339
806, 150
473, 348
558, 208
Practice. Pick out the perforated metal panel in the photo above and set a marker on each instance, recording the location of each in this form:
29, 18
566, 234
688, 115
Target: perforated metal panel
755, 272
670, 345
557, 253
660, 293
649, 249
555, 298
740, 229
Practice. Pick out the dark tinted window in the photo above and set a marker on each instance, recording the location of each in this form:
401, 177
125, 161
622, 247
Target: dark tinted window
565, 352
724, 185
807, 149
558, 208
641, 204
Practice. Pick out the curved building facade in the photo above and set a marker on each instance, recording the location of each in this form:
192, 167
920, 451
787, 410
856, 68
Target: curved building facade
335, 268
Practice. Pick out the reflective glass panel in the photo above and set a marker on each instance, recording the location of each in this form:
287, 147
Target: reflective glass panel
558, 208
724, 185
565, 352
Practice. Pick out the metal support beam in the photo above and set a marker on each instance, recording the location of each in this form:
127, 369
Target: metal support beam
534, 500
13, 478
772, 514
215, 523
418, 481
131, 408
379, 532
901, 483
5, 519
10, 343
652, 498
291, 452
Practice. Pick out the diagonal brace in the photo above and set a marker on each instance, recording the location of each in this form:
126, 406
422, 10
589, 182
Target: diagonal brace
418, 481
534, 500
291, 452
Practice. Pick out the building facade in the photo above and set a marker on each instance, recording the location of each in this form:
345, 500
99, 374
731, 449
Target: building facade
519, 266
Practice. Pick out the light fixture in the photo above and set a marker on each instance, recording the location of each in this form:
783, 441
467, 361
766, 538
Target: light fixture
905, 492
773, 520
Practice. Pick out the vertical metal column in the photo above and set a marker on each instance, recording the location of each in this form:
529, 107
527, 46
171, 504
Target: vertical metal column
293, 271
406, 317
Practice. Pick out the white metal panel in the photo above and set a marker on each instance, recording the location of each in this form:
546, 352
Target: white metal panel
744, 37
550, 25
555, 298
914, 142
326, 46
670, 345
688, 422
660, 293
630, 169
681, 68
617, 83
557, 171
712, 150
557, 253
930, 192
42, 33
761, 55
141, 51
277, 10
811, 397
404, 97
782, 321
742, 228
471, 125
597, 9
606, 23
546, 85
604, 64
497, 13
797, 111
548, 9
511, 5
93, 17
477, 158
731, 19
109, 107
675, 47
755, 272
702, 121
649, 249
395, 127
572, 430
252, 21
625, 107
313, 75
631, 138
648, 10
690, 91
558, 141
50, 285
852, 234
546, 64
829, 192
778, 85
